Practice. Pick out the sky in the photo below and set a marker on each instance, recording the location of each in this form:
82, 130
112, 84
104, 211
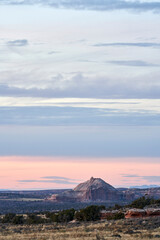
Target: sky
79, 93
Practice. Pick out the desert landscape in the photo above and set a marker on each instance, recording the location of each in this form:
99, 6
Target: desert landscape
138, 219
79, 119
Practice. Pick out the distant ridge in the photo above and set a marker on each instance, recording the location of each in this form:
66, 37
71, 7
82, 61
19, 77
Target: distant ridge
145, 186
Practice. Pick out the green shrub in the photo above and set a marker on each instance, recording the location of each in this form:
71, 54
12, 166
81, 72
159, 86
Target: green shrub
116, 216
91, 213
157, 201
62, 216
142, 202
8, 218
117, 207
34, 219
18, 220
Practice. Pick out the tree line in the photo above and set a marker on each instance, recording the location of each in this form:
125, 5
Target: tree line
90, 213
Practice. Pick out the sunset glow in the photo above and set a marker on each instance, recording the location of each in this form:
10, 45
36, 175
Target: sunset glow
39, 172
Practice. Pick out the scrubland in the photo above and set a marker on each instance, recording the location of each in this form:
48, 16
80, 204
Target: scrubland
127, 229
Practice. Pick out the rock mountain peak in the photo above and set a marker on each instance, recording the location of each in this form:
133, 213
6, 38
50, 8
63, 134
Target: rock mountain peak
94, 183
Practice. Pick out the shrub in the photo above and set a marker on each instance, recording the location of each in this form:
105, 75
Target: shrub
34, 219
116, 216
142, 202
157, 201
117, 207
62, 216
91, 213
8, 218
18, 220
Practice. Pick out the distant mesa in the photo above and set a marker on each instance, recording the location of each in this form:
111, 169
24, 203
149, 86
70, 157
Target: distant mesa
93, 190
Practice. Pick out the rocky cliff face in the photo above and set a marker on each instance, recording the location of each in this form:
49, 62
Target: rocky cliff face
94, 189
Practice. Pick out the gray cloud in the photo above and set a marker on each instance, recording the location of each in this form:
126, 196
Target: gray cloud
76, 116
152, 178
56, 180
133, 63
27, 181
18, 43
98, 5
53, 52
125, 44
59, 178
130, 175
146, 86
148, 178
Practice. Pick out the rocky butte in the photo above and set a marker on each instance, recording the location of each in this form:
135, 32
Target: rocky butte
93, 190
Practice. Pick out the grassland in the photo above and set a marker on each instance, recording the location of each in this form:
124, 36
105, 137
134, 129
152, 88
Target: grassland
126, 229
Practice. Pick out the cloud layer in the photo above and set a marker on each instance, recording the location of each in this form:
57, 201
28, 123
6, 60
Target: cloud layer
80, 85
149, 179
80, 116
129, 44
52, 179
98, 5
134, 63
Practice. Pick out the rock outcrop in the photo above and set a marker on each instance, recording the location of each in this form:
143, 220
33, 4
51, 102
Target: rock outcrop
92, 190
138, 213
